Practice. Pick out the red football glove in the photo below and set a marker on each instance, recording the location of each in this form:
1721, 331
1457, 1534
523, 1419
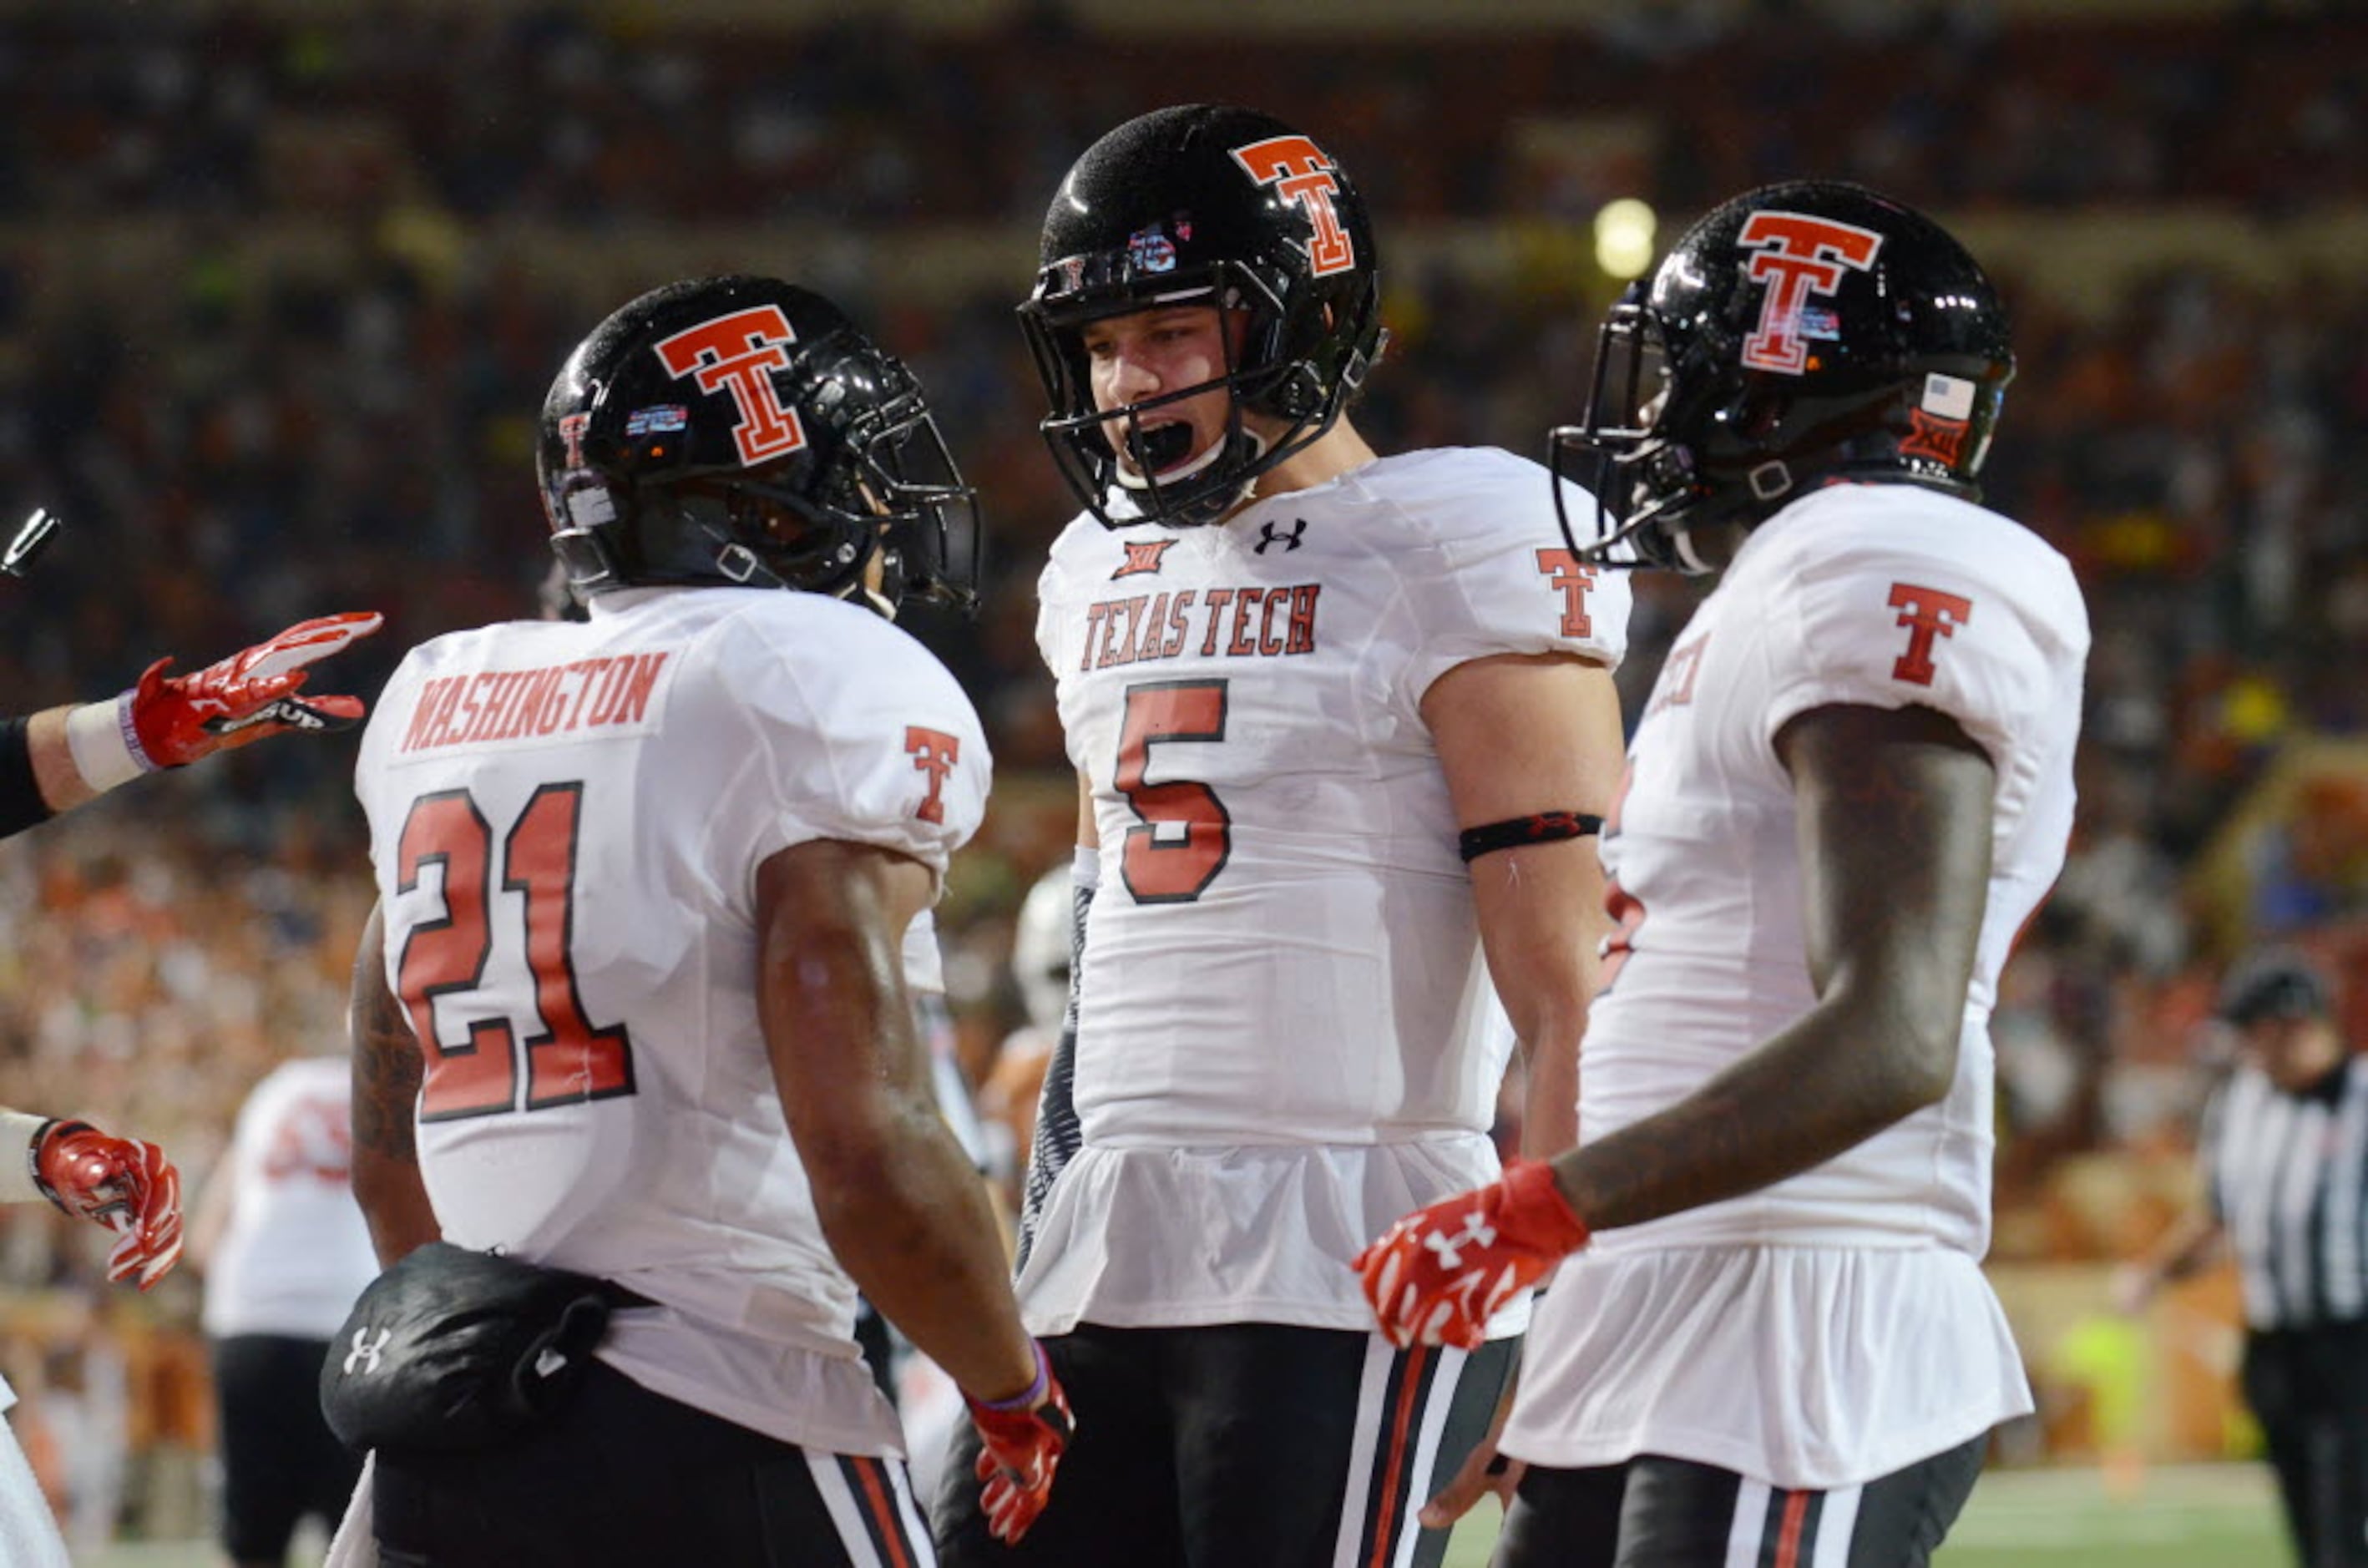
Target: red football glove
125, 1184
1439, 1275
252, 694
1023, 1439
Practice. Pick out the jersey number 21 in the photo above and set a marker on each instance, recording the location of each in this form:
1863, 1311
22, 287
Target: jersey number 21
568, 1059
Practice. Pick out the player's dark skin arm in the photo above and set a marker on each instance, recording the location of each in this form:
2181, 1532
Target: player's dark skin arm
386, 1073
903, 1212
1893, 813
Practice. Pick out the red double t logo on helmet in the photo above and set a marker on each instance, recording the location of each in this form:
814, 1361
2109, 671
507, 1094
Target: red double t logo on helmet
739, 354
1302, 175
1799, 257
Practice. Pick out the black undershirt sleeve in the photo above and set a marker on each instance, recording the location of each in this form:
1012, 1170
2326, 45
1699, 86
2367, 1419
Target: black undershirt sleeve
21, 805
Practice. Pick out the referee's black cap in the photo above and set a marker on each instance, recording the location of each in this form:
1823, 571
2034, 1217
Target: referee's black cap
2279, 983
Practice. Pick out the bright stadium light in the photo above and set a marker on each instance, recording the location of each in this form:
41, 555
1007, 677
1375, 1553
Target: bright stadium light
1623, 237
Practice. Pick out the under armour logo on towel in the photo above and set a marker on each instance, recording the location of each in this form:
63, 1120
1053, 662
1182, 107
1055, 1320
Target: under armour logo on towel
1289, 541
366, 1350
1476, 1232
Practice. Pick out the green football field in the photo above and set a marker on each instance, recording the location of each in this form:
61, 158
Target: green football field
2180, 1517
2186, 1517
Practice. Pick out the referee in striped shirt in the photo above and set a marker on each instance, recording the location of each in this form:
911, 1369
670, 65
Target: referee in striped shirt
2285, 1147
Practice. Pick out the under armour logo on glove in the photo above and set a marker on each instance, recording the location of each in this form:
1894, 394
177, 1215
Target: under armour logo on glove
1475, 1232
1439, 1275
364, 1356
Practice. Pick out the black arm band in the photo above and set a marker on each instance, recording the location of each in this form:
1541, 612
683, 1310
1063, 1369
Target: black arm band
20, 793
1543, 827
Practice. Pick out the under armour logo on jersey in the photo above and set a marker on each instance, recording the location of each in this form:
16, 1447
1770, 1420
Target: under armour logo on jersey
366, 1351
740, 353
1476, 1232
1142, 555
1798, 257
1302, 174
1289, 541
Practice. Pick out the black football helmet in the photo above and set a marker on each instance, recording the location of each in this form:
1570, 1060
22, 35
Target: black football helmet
1203, 203
741, 432
1801, 333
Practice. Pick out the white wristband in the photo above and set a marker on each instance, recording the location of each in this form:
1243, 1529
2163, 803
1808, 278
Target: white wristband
1085, 868
17, 1130
106, 747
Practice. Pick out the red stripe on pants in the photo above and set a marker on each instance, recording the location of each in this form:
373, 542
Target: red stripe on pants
1385, 1526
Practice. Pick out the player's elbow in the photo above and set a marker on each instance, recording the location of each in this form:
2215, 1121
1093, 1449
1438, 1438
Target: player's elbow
1892, 1057
1917, 1062
1899, 1023
844, 1173
854, 1167
875, 1209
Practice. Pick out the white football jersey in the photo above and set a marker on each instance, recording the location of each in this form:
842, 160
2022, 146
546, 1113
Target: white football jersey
1283, 954
1884, 596
295, 1251
567, 821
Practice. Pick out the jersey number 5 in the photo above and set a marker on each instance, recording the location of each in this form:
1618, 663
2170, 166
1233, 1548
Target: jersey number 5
1184, 835
569, 1059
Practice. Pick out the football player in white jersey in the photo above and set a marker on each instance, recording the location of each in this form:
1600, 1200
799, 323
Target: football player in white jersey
633, 1004
284, 1253
1341, 721
1768, 1339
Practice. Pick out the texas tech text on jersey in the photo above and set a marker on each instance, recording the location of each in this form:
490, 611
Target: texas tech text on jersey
1146, 627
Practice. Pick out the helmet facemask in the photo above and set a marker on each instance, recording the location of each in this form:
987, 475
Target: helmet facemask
1636, 474
902, 477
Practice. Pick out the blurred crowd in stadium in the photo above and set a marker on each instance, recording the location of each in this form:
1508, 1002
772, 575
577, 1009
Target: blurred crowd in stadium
278, 300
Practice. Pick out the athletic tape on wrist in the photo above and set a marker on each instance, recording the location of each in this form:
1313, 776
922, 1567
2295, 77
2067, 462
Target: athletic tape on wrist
105, 744
20, 1180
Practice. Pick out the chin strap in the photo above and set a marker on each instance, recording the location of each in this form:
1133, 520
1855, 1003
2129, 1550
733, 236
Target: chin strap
740, 563
1683, 542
